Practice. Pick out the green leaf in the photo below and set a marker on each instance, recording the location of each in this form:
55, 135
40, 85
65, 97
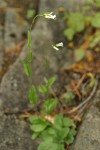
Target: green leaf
79, 54
49, 105
33, 97
91, 2
69, 97
48, 145
61, 147
51, 81
37, 120
51, 131
67, 122
69, 33
95, 40
69, 139
98, 3
35, 135
58, 121
88, 20
86, 8
48, 134
92, 82
29, 39
70, 136
30, 57
27, 68
45, 136
62, 133
73, 132
43, 89
96, 20
76, 21
30, 13
39, 127
34, 119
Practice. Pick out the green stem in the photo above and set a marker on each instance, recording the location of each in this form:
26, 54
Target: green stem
34, 21
46, 62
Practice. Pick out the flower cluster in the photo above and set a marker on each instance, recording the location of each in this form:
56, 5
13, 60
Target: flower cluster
56, 47
50, 15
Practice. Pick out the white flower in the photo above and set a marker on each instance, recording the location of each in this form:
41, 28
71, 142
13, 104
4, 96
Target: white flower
59, 44
56, 47
50, 15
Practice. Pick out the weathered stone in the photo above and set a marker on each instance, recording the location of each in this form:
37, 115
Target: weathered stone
15, 28
15, 85
2, 4
1, 46
88, 137
15, 134
67, 5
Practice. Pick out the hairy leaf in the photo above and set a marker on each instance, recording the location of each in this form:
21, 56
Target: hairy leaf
67, 122
76, 21
27, 68
39, 127
70, 96
49, 105
79, 54
51, 81
30, 57
30, 13
43, 89
29, 39
34, 119
69, 33
33, 97
96, 20
48, 145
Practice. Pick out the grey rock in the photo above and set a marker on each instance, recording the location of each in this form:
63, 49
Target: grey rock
3, 3
67, 5
88, 137
15, 28
15, 134
15, 85
1, 47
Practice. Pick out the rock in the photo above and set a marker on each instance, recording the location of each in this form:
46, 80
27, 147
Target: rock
1, 46
15, 134
15, 28
2, 4
54, 5
88, 137
15, 85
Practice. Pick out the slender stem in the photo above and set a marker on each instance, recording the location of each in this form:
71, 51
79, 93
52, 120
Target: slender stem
46, 62
34, 20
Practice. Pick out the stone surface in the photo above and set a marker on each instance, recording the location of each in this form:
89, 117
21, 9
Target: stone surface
2, 4
1, 46
88, 137
68, 5
15, 28
15, 134
15, 85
